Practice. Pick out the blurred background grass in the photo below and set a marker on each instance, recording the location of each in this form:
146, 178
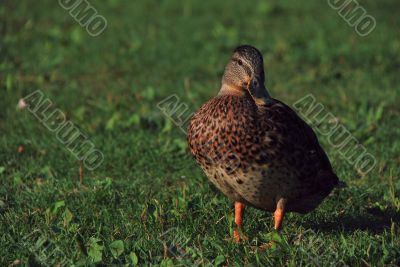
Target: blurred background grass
109, 87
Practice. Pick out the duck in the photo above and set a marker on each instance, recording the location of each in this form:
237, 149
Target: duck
255, 149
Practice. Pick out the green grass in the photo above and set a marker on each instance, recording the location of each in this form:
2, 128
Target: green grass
149, 202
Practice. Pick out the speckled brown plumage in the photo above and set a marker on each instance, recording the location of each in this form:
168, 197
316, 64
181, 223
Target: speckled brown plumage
255, 149
256, 154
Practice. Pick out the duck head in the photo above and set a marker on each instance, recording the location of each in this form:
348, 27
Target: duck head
245, 73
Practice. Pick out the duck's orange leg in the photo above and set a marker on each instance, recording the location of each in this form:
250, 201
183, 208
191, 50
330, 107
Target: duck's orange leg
279, 213
278, 217
239, 209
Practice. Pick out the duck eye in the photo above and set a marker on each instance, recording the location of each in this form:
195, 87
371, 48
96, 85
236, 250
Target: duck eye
240, 62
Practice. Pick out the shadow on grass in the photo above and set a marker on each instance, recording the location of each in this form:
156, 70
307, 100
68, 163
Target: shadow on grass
373, 220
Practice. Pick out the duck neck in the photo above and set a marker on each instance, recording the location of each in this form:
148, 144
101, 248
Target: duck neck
227, 89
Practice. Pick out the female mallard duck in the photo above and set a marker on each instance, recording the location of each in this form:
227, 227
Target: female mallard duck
255, 149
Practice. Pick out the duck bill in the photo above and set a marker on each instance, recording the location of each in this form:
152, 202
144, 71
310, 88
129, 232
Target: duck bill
258, 91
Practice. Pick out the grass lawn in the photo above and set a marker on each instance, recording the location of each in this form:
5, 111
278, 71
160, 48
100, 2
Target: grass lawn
148, 203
